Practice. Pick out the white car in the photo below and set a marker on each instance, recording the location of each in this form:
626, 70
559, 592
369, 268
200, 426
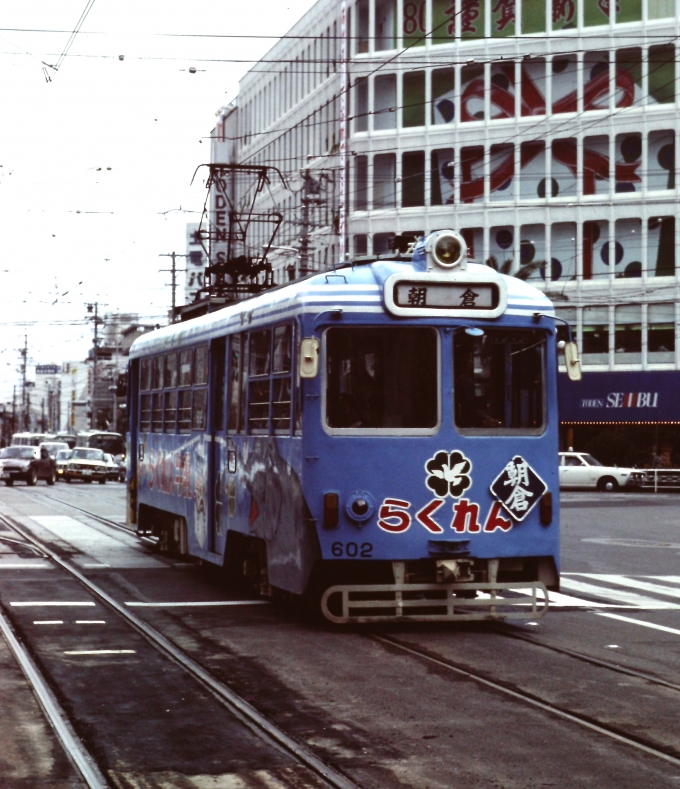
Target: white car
581, 470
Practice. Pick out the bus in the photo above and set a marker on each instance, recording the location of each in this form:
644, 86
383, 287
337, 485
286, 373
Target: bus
113, 443
380, 439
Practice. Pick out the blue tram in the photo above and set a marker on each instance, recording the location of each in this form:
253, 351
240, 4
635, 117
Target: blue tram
382, 438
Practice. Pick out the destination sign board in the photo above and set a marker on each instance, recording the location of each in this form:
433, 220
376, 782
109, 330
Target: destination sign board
447, 295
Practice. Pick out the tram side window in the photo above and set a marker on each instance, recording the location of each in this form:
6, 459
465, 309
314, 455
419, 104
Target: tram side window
236, 345
281, 386
171, 371
157, 372
170, 413
185, 368
184, 411
199, 408
157, 412
145, 377
201, 365
200, 396
259, 384
184, 393
499, 381
382, 378
145, 414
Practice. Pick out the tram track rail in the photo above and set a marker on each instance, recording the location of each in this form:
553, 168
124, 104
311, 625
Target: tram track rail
644, 745
241, 710
251, 717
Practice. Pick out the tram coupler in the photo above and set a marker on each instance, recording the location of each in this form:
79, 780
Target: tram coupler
454, 571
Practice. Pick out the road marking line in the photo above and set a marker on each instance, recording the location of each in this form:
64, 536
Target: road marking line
49, 602
48, 622
645, 586
197, 604
101, 652
665, 629
629, 598
39, 564
90, 621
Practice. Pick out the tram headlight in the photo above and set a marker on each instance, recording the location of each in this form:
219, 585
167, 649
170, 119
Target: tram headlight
448, 249
360, 506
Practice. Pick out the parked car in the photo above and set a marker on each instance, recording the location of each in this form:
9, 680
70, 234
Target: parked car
112, 467
28, 464
62, 459
53, 447
581, 470
86, 464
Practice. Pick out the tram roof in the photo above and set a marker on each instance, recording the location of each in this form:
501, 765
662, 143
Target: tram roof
351, 288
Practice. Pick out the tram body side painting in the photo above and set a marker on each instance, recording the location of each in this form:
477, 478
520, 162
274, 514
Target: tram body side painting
416, 454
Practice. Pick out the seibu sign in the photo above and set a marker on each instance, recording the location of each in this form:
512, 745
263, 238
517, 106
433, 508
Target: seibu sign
624, 400
620, 397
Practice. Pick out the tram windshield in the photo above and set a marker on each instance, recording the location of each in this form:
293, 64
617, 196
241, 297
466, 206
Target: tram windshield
499, 381
382, 378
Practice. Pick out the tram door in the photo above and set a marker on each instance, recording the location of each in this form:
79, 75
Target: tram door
217, 454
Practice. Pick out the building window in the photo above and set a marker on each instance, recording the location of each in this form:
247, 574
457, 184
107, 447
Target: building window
361, 244
361, 111
472, 93
532, 251
413, 99
661, 74
661, 333
381, 243
661, 160
443, 22
443, 96
441, 179
563, 251
360, 183
596, 165
413, 179
661, 246
564, 70
532, 169
384, 175
501, 172
628, 334
533, 81
472, 174
566, 314
596, 335
413, 27
385, 24
628, 244
385, 102
501, 249
533, 16
563, 168
363, 34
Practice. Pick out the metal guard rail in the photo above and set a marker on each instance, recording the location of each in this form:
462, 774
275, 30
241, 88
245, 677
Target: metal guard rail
395, 601
661, 479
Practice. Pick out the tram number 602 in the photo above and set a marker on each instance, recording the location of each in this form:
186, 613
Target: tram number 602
352, 549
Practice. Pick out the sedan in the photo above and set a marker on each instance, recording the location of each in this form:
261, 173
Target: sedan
581, 470
28, 464
86, 464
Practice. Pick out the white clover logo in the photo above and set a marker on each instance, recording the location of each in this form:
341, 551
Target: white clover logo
448, 474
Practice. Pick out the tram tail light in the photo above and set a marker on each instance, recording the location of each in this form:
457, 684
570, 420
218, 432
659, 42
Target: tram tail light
546, 509
331, 510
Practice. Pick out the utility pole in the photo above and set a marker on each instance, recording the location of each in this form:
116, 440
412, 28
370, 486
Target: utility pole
93, 416
304, 235
24, 357
173, 271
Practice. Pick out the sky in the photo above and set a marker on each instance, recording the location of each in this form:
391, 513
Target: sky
97, 156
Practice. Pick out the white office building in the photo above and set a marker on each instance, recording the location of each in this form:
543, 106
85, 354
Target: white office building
545, 131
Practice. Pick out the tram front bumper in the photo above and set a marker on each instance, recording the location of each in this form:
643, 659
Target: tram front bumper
434, 602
